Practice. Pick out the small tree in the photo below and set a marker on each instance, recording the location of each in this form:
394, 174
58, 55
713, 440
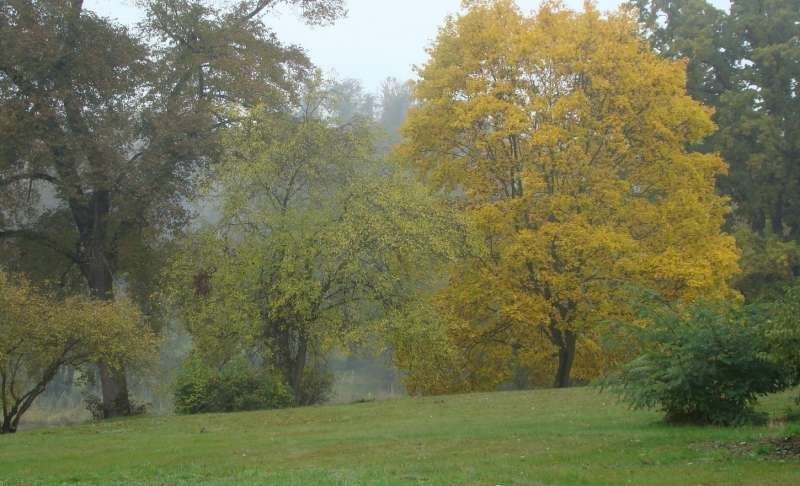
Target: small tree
40, 334
706, 364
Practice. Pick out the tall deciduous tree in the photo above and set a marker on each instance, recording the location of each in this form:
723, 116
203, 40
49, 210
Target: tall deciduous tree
395, 101
564, 138
314, 241
110, 127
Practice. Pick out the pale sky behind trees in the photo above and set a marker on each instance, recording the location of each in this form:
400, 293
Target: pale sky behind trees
378, 39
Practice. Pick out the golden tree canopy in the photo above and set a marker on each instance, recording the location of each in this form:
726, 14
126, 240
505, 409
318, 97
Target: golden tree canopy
566, 140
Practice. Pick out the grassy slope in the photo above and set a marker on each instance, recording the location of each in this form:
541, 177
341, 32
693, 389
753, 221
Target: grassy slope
539, 437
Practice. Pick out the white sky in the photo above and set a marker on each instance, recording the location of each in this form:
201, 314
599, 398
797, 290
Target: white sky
378, 39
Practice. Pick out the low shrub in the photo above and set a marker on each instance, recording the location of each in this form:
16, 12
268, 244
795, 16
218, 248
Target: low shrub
705, 365
316, 386
237, 386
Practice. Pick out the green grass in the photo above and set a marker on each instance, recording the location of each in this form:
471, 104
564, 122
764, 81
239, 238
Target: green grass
540, 437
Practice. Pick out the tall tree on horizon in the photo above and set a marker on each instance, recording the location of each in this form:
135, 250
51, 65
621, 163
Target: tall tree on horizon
746, 64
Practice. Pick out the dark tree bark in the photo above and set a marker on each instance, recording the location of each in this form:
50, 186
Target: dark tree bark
20, 405
565, 341
293, 354
92, 222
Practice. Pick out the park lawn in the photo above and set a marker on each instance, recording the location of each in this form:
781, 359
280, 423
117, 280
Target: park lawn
575, 436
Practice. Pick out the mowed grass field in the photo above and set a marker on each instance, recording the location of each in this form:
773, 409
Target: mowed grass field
576, 436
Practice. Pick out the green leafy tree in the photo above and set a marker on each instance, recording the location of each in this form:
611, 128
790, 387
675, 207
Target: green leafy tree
103, 130
746, 64
697, 31
313, 242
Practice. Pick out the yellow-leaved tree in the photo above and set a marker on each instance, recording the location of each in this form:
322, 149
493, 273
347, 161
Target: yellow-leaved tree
565, 140
40, 334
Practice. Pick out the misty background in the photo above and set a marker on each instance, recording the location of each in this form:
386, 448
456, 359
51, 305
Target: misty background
378, 39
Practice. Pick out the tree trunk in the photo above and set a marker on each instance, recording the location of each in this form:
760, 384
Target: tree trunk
519, 379
292, 355
113, 384
565, 341
114, 388
11, 419
8, 426
298, 365
759, 222
21, 405
777, 215
97, 270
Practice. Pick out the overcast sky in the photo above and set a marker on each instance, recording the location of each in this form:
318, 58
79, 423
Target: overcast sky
378, 39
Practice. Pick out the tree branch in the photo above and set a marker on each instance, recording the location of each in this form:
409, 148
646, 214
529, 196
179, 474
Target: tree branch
41, 239
33, 176
257, 9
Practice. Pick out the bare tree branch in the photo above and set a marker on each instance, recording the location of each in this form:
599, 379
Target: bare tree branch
257, 9
33, 176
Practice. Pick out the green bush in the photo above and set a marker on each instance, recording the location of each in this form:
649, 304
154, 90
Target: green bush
237, 386
316, 387
784, 329
705, 365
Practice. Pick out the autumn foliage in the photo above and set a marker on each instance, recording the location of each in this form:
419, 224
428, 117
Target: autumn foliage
564, 139
41, 334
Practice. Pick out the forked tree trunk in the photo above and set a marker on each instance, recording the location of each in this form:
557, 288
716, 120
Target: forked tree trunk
13, 413
6, 427
10, 421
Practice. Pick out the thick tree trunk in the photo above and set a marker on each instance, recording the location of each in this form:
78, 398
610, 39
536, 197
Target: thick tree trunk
565, 341
114, 388
8, 426
113, 384
99, 278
